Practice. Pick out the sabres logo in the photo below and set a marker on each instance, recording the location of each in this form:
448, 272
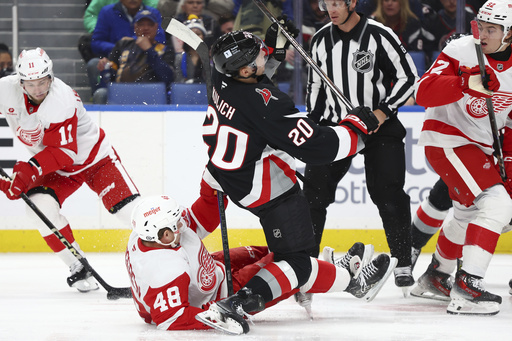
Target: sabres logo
266, 94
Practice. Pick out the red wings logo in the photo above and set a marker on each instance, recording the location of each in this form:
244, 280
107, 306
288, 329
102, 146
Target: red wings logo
30, 137
477, 108
206, 278
266, 94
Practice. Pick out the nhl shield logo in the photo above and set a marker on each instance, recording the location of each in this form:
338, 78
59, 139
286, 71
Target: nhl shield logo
362, 61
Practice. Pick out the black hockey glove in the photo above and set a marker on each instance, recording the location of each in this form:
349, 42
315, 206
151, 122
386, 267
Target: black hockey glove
361, 119
276, 41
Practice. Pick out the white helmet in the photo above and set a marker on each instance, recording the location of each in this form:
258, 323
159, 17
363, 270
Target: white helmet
155, 213
34, 64
323, 6
497, 12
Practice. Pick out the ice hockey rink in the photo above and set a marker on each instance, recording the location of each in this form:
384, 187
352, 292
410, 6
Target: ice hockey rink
37, 304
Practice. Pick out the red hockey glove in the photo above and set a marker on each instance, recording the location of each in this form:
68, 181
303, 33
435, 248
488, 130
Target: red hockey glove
361, 119
24, 175
471, 81
5, 184
276, 41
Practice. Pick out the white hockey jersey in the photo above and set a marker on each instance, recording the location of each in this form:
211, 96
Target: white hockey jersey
170, 286
454, 118
59, 121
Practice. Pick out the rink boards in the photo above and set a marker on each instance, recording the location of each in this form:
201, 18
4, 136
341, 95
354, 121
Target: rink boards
162, 149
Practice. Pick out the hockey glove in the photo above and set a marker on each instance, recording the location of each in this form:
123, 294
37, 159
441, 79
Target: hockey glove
24, 175
5, 184
361, 119
276, 41
471, 81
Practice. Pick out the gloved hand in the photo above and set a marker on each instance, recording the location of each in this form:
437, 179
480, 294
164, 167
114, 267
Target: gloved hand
24, 175
471, 81
361, 119
276, 41
5, 184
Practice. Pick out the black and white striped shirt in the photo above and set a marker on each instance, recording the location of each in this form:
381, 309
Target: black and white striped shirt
368, 64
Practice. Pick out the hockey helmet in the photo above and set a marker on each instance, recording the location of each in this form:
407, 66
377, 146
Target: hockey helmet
499, 13
322, 4
154, 213
34, 64
235, 50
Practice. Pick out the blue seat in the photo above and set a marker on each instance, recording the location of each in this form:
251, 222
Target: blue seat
284, 87
188, 93
418, 57
435, 54
137, 93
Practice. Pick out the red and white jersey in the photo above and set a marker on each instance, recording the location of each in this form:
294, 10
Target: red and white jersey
454, 118
59, 121
170, 286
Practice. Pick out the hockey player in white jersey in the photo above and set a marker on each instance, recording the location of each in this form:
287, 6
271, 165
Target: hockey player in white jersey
174, 278
68, 149
459, 145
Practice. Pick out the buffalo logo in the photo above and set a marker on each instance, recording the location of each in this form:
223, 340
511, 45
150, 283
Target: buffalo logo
30, 137
362, 61
477, 107
266, 94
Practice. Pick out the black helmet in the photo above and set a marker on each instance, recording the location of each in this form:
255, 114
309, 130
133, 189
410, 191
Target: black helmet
234, 50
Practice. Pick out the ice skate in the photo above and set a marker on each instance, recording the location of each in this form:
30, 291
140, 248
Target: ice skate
510, 286
468, 297
81, 279
372, 277
354, 266
434, 284
228, 314
304, 299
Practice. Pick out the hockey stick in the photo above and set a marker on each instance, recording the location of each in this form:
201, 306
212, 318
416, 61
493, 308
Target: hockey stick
305, 55
112, 293
182, 32
225, 242
488, 101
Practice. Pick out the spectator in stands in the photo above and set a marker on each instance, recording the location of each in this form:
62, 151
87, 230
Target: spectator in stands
186, 8
90, 19
115, 23
137, 60
248, 16
397, 15
219, 8
441, 25
226, 23
6, 67
187, 65
368, 7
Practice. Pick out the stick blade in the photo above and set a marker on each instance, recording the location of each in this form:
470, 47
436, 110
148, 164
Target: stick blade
182, 32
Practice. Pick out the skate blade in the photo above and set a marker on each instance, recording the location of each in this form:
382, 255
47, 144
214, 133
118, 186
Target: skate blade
212, 318
422, 293
405, 291
370, 295
465, 307
328, 254
86, 285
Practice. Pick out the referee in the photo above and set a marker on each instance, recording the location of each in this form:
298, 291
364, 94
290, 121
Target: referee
366, 60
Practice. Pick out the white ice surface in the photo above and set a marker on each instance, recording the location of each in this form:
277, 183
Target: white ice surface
37, 304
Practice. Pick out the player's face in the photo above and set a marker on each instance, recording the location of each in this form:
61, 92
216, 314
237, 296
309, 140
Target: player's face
491, 36
337, 10
37, 89
260, 62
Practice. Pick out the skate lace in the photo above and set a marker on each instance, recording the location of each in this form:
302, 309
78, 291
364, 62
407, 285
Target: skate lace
343, 262
366, 273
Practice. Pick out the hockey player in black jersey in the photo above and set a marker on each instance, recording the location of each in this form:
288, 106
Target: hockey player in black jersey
254, 133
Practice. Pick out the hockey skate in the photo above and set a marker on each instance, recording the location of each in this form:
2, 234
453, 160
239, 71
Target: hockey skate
470, 298
349, 261
304, 299
434, 284
228, 314
510, 286
372, 277
81, 279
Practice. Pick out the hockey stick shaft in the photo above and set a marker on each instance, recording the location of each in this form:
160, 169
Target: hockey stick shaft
185, 34
305, 55
113, 293
225, 241
488, 101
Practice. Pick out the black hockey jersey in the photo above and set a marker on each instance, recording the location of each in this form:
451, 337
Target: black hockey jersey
254, 132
